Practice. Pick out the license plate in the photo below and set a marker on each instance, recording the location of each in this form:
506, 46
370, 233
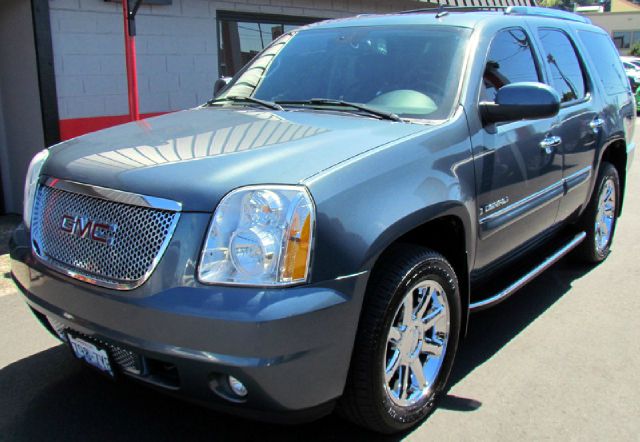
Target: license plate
92, 355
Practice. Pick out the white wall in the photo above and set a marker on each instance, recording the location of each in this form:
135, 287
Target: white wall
176, 47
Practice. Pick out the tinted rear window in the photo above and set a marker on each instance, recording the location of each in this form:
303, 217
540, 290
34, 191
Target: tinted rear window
606, 61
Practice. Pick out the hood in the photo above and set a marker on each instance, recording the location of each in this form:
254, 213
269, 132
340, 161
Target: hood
196, 156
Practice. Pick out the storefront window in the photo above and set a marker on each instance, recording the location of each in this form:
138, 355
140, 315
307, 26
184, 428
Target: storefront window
242, 36
624, 39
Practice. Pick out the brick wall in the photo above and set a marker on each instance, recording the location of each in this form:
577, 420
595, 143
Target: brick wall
176, 46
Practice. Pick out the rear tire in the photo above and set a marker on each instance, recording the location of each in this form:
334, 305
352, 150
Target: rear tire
406, 342
600, 218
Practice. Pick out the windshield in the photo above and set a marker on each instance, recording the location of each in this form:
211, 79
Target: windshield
410, 71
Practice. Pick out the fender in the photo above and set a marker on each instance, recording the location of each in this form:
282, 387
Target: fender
360, 213
421, 217
622, 168
418, 218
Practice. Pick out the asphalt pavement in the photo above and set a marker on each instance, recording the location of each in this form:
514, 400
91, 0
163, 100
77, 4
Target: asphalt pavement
560, 360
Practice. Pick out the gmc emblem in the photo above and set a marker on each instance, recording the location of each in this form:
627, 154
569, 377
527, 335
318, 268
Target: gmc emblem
84, 227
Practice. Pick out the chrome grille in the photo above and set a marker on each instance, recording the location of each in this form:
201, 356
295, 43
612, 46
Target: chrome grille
139, 240
125, 359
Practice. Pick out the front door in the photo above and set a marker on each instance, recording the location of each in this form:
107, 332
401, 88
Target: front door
518, 164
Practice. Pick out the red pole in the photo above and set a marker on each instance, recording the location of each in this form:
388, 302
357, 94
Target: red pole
132, 71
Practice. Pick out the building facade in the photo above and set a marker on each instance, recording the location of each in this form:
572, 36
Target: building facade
621, 21
182, 48
624, 27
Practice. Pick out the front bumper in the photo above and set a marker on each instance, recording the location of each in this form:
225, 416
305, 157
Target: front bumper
291, 347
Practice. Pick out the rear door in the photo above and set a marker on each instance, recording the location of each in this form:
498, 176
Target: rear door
618, 105
581, 117
518, 182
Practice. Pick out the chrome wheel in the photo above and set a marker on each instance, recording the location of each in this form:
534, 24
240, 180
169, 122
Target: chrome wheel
605, 217
416, 344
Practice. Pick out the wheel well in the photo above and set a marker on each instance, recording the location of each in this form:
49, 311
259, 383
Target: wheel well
446, 236
616, 154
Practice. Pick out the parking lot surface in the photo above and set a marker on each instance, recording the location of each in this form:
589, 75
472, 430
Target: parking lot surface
559, 360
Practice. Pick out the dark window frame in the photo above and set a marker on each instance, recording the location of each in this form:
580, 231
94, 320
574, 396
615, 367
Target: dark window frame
621, 38
259, 17
586, 78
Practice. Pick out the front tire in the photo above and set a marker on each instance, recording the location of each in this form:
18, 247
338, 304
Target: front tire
406, 342
600, 218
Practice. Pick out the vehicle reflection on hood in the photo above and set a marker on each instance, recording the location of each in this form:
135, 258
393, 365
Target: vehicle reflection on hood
267, 129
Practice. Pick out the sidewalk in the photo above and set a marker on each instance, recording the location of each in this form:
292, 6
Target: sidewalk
7, 224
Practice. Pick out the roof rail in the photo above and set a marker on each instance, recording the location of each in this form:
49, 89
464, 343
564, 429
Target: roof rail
546, 12
443, 8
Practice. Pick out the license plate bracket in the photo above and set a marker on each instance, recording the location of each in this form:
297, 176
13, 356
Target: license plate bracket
92, 354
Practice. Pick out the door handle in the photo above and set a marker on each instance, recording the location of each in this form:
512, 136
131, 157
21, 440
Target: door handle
550, 142
596, 124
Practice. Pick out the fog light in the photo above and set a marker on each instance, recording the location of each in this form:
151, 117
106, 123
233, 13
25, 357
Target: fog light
237, 387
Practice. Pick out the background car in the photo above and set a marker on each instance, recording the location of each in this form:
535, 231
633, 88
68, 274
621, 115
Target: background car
631, 59
632, 70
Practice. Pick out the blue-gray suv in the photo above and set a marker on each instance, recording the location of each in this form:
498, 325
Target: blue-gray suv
318, 233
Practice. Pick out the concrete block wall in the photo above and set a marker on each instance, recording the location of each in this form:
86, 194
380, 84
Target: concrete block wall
177, 47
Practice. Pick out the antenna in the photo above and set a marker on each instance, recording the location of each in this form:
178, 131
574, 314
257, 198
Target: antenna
441, 11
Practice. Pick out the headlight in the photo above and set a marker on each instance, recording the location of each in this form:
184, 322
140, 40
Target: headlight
260, 236
31, 184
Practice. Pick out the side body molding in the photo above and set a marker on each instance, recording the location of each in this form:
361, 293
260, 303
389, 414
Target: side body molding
496, 221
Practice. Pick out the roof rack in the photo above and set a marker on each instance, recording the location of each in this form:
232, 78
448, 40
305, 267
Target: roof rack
510, 10
546, 12
443, 8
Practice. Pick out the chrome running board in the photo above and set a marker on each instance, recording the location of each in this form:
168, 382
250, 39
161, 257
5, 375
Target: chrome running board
521, 282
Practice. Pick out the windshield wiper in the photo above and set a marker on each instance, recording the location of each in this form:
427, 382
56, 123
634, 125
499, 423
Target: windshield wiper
361, 107
237, 99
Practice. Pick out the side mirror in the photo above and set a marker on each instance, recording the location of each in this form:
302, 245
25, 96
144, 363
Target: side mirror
521, 101
220, 84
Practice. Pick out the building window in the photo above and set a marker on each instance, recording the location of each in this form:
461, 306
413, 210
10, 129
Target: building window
241, 36
625, 39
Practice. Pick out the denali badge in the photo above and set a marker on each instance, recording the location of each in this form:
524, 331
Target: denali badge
494, 205
86, 228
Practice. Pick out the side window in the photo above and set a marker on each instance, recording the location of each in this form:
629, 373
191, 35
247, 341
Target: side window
510, 60
565, 68
605, 59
